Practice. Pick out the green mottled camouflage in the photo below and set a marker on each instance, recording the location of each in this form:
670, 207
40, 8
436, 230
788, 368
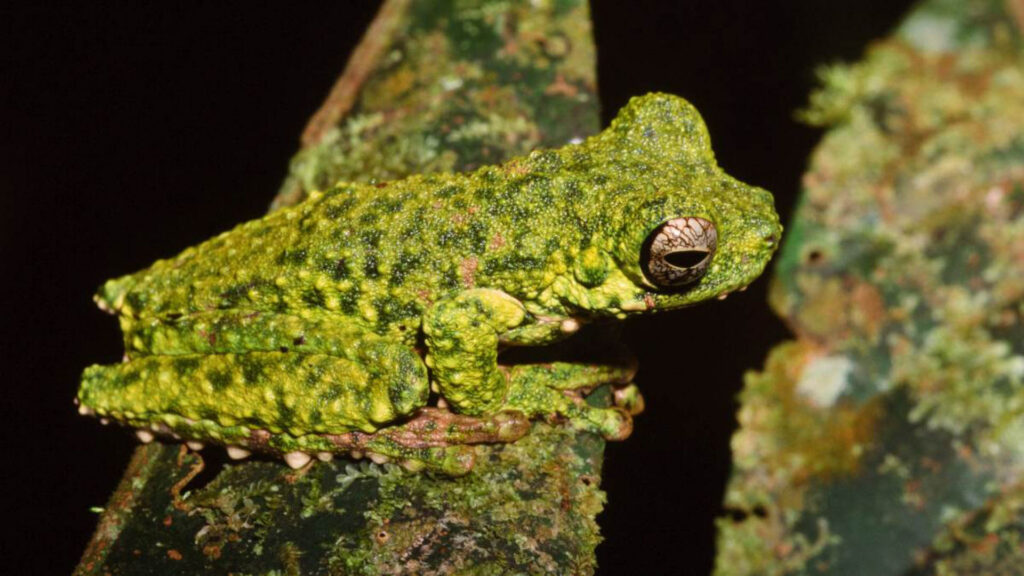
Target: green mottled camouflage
305, 321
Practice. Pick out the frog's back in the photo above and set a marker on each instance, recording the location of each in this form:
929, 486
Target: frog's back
380, 253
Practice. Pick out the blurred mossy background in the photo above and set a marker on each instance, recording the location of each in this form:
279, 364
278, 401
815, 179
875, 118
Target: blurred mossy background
888, 438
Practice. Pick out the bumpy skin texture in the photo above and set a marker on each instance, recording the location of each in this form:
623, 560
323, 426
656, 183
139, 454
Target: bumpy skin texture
301, 331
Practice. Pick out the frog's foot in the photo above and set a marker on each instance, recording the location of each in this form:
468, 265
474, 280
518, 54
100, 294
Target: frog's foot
433, 439
557, 389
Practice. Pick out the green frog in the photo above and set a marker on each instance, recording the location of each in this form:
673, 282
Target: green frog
368, 320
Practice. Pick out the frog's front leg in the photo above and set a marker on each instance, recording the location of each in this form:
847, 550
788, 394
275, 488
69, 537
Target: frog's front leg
540, 390
463, 333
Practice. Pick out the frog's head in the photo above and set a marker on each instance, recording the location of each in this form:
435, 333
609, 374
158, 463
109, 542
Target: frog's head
683, 231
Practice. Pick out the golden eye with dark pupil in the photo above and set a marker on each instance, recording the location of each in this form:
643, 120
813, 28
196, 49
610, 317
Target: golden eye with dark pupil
679, 251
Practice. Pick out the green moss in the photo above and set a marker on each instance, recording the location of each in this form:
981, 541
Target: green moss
877, 442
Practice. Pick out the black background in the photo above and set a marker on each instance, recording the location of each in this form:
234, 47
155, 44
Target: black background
129, 135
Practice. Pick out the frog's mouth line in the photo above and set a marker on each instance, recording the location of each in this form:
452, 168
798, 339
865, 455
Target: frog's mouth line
720, 291
663, 295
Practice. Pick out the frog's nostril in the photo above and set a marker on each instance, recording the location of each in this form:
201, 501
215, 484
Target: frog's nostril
771, 239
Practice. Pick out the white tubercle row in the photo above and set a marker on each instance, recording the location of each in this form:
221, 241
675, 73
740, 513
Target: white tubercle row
295, 459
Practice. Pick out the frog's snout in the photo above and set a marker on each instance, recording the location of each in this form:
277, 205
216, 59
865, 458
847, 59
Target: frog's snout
771, 231
767, 226
111, 295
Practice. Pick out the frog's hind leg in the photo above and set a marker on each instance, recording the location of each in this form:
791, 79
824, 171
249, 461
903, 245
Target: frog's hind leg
556, 388
433, 439
227, 398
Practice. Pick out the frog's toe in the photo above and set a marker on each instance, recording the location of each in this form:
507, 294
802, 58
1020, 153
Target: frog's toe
458, 460
612, 423
629, 399
413, 465
447, 460
510, 426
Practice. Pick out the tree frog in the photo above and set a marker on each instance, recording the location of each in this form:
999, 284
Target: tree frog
369, 318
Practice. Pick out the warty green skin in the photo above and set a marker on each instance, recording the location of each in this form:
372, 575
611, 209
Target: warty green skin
305, 323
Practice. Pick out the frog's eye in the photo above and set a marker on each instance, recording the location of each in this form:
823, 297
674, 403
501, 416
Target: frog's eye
678, 252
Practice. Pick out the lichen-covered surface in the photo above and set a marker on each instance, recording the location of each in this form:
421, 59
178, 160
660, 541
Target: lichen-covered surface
434, 86
452, 85
888, 438
358, 518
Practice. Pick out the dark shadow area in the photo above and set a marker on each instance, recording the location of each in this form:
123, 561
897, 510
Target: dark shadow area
747, 67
